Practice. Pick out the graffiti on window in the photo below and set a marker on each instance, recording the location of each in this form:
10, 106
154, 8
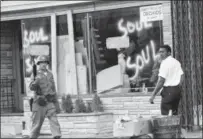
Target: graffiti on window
29, 64
34, 44
36, 41
141, 60
32, 36
131, 27
142, 56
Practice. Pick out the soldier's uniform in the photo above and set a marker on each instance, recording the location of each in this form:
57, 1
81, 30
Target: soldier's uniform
45, 102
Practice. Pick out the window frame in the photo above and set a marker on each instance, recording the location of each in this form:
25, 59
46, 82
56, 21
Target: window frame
117, 7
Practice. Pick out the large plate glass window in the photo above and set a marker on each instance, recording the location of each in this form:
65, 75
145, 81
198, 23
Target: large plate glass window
36, 41
124, 48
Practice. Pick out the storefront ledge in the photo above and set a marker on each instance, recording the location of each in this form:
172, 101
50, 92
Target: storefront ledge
130, 94
106, 95
133, 94
83, 125
83, 114
11, 114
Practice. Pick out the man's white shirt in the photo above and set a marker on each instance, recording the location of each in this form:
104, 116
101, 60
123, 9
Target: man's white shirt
171, 71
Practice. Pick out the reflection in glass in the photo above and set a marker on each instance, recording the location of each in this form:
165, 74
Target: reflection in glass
36, 41
119, 40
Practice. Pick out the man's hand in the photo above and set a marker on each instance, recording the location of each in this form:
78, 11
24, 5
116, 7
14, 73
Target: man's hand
35, 80
34, 86
159, 85
151, 100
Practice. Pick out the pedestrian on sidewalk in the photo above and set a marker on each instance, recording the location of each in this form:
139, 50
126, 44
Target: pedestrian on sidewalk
45, 102
170, 81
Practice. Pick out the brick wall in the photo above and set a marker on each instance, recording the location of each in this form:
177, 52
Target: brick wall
83, 125
132, 105
88, 124
72, 125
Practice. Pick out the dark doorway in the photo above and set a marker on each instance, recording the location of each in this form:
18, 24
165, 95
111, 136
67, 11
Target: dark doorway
11, 67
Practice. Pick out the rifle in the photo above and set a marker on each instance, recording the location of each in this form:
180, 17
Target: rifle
34, 70
31, 102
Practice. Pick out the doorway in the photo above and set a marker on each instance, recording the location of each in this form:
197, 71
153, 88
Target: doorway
11, 67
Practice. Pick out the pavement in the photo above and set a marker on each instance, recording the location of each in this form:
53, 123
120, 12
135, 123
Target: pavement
195, 134
185, 134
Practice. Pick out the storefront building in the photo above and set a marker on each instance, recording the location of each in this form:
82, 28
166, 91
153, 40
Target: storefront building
109, 48
106, 47
86, 42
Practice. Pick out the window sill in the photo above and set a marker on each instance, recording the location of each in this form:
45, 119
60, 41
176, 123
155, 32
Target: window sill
130, 94
12, 114
83, 114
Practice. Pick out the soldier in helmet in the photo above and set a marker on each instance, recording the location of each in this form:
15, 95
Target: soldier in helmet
45, 100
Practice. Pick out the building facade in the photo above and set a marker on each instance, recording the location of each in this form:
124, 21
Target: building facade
84, 41
106, 47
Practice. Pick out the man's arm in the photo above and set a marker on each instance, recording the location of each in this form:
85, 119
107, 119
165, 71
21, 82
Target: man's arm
34, 83
181, 80
159, 85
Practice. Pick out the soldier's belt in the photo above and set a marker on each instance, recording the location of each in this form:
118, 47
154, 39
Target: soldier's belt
42, 101
51, 98
48, 98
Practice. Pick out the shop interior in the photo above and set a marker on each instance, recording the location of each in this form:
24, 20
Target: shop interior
119, 37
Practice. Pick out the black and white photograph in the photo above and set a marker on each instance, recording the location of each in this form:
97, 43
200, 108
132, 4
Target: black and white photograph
101, 69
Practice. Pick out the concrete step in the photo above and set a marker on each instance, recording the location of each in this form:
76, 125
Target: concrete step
10, 130
191, 134
196, 135
27, 137
50, 136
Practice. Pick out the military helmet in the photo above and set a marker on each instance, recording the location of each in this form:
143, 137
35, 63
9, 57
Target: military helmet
42, 58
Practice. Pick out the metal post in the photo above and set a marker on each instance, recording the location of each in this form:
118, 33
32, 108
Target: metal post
89, 53
54, 49
23, 57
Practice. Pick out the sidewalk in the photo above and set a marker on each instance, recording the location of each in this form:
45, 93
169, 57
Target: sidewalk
197, 135
194, 134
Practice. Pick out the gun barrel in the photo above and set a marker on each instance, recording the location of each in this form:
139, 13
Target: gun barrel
34, 70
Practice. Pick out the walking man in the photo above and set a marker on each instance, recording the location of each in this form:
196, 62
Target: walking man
45, 100
170, 79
